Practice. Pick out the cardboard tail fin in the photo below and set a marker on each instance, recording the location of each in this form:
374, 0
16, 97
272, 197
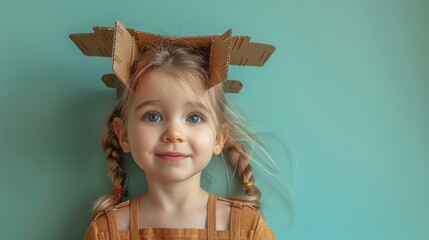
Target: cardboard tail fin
233, 86
110, 80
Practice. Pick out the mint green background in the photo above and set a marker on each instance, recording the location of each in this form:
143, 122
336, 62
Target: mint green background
347, 90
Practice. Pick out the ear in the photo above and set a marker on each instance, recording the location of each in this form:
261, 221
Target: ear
121, 133
221, 138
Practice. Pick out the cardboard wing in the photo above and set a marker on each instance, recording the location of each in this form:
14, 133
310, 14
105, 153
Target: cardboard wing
124, 45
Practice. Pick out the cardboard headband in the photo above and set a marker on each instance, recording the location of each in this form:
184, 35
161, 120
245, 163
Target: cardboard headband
124, 45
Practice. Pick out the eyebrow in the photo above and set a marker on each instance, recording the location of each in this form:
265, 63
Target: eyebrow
198, 105
146, 103
158, 102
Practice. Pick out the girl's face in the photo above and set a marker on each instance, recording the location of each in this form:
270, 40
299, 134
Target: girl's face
169, 132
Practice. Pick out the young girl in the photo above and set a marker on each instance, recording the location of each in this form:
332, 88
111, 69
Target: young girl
172, 123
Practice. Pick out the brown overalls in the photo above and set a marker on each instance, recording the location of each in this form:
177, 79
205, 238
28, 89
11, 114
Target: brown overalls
245, 223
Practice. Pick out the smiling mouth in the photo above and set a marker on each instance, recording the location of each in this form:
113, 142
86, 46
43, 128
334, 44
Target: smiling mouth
171, 156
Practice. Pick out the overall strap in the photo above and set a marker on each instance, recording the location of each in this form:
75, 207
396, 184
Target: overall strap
134, 219
113, 225
234, 231
211, 217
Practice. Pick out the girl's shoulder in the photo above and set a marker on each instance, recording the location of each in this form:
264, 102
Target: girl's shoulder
247, 218
247, 214
244, 216
105, 221
243, 207
112, 214
120, 206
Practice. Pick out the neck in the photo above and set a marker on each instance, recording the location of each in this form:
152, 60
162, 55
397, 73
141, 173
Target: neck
177, 196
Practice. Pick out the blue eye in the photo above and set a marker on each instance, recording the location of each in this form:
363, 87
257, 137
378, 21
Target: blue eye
152, 117
195, 118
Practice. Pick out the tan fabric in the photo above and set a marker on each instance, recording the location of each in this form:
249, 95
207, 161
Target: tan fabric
245, 223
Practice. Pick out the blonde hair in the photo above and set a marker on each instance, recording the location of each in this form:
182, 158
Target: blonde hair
178, 61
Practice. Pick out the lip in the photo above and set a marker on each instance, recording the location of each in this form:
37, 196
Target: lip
172, 156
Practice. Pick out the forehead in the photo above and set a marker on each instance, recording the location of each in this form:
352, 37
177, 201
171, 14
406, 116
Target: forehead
160, 85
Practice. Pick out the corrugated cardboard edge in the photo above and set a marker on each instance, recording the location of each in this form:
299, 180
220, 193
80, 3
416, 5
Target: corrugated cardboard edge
124, 52
219, 58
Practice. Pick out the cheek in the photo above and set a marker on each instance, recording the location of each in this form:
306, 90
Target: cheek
204, 141
140, 139
142, 146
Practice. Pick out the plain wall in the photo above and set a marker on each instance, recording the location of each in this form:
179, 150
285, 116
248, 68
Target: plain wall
347, 90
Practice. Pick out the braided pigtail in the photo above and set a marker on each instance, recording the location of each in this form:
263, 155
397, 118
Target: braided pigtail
116, 172
239, 157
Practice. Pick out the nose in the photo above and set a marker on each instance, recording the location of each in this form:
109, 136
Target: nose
173, 133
